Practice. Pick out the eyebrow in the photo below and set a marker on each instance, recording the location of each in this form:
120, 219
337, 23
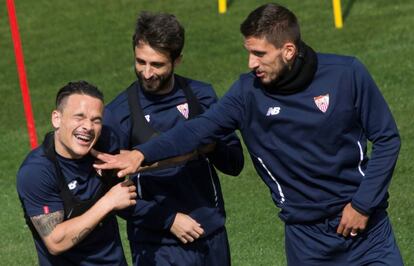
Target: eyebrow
79, 114
151, 62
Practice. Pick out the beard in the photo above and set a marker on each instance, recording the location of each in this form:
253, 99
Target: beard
155, 84
284, 70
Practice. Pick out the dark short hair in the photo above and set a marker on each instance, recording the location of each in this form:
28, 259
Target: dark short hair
161, 31
77, 87
274, 22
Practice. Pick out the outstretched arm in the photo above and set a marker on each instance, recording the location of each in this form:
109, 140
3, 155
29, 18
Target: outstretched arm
220, 120
59, 235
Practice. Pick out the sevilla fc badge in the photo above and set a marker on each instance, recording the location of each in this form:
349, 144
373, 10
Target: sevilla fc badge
183, 108
322, 102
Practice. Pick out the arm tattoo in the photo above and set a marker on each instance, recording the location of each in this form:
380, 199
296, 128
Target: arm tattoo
45, 223
81, 235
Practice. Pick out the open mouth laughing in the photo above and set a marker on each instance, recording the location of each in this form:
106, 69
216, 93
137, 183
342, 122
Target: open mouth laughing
84, 138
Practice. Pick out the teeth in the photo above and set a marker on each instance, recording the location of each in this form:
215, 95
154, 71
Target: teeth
83, 137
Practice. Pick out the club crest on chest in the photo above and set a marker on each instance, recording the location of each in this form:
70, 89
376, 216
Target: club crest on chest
183, 109
322, 102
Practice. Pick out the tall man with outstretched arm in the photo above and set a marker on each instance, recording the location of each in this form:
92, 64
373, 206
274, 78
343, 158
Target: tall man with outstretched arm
67, 205
306, 119
180, 218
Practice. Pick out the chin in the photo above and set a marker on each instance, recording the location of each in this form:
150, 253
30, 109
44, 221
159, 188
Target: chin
81, 150
265, 81
79, 153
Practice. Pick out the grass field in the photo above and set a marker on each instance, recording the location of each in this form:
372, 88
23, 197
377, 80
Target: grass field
86, 39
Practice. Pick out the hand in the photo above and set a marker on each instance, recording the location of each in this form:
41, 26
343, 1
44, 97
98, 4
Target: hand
127, 162
121, 195
185, 228
351, 222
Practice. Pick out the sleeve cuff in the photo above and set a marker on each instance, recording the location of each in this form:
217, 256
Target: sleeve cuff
359, 209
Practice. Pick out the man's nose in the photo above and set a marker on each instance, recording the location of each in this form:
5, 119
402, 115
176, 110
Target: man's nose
253, 62
147, 72
87, 124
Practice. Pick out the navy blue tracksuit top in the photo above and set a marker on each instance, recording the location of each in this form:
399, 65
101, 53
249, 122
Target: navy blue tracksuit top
192, 188
310, 147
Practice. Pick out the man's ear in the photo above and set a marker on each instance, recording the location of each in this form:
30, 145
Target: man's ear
177, 61
56, 119
289, 51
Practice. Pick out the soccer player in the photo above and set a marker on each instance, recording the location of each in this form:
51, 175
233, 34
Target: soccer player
306, 119
67, 205
180, 216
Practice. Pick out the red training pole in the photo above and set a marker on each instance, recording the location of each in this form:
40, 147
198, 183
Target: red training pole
22, 73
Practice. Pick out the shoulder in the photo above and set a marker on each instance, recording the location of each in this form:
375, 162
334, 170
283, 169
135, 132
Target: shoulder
36, 160
244, 84
200, 88
348, 65
35, 171
246, 78
119, 105
336, 60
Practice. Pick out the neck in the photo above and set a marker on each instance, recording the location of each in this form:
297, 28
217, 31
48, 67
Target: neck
168, 87
62, 151
299, 74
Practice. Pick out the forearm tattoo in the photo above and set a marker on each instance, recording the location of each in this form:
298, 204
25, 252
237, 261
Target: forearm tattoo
45, 223
81, 235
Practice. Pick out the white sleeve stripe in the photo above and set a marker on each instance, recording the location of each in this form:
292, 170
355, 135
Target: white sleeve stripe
361, 158
282, 196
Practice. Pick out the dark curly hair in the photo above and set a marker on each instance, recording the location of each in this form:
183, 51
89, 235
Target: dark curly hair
161, 31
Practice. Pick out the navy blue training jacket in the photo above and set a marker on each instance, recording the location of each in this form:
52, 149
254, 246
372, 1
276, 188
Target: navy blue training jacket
310, 147
192, 188
39, 193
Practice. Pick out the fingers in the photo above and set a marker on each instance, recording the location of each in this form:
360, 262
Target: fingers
100, 155
105, 166
199, 230
123, 173
186, 229
132, 188
340, 228
347, 230
127, 183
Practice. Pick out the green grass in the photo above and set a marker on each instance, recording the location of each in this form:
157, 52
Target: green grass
85, 39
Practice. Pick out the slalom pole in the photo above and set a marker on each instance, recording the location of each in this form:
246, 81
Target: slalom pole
18, 52
337, 14
222, 6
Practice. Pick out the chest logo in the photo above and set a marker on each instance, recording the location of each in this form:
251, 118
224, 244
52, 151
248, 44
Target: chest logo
147, 117
273, 111
322, 102
72, 185
183, 109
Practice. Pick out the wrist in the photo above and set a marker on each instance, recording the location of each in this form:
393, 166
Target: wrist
106, 204
138, 157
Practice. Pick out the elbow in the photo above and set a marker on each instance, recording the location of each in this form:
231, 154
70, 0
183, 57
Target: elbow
54, 249
237, 167
55, 244
398, 142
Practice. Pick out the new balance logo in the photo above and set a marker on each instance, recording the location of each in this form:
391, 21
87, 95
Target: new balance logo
273, 111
